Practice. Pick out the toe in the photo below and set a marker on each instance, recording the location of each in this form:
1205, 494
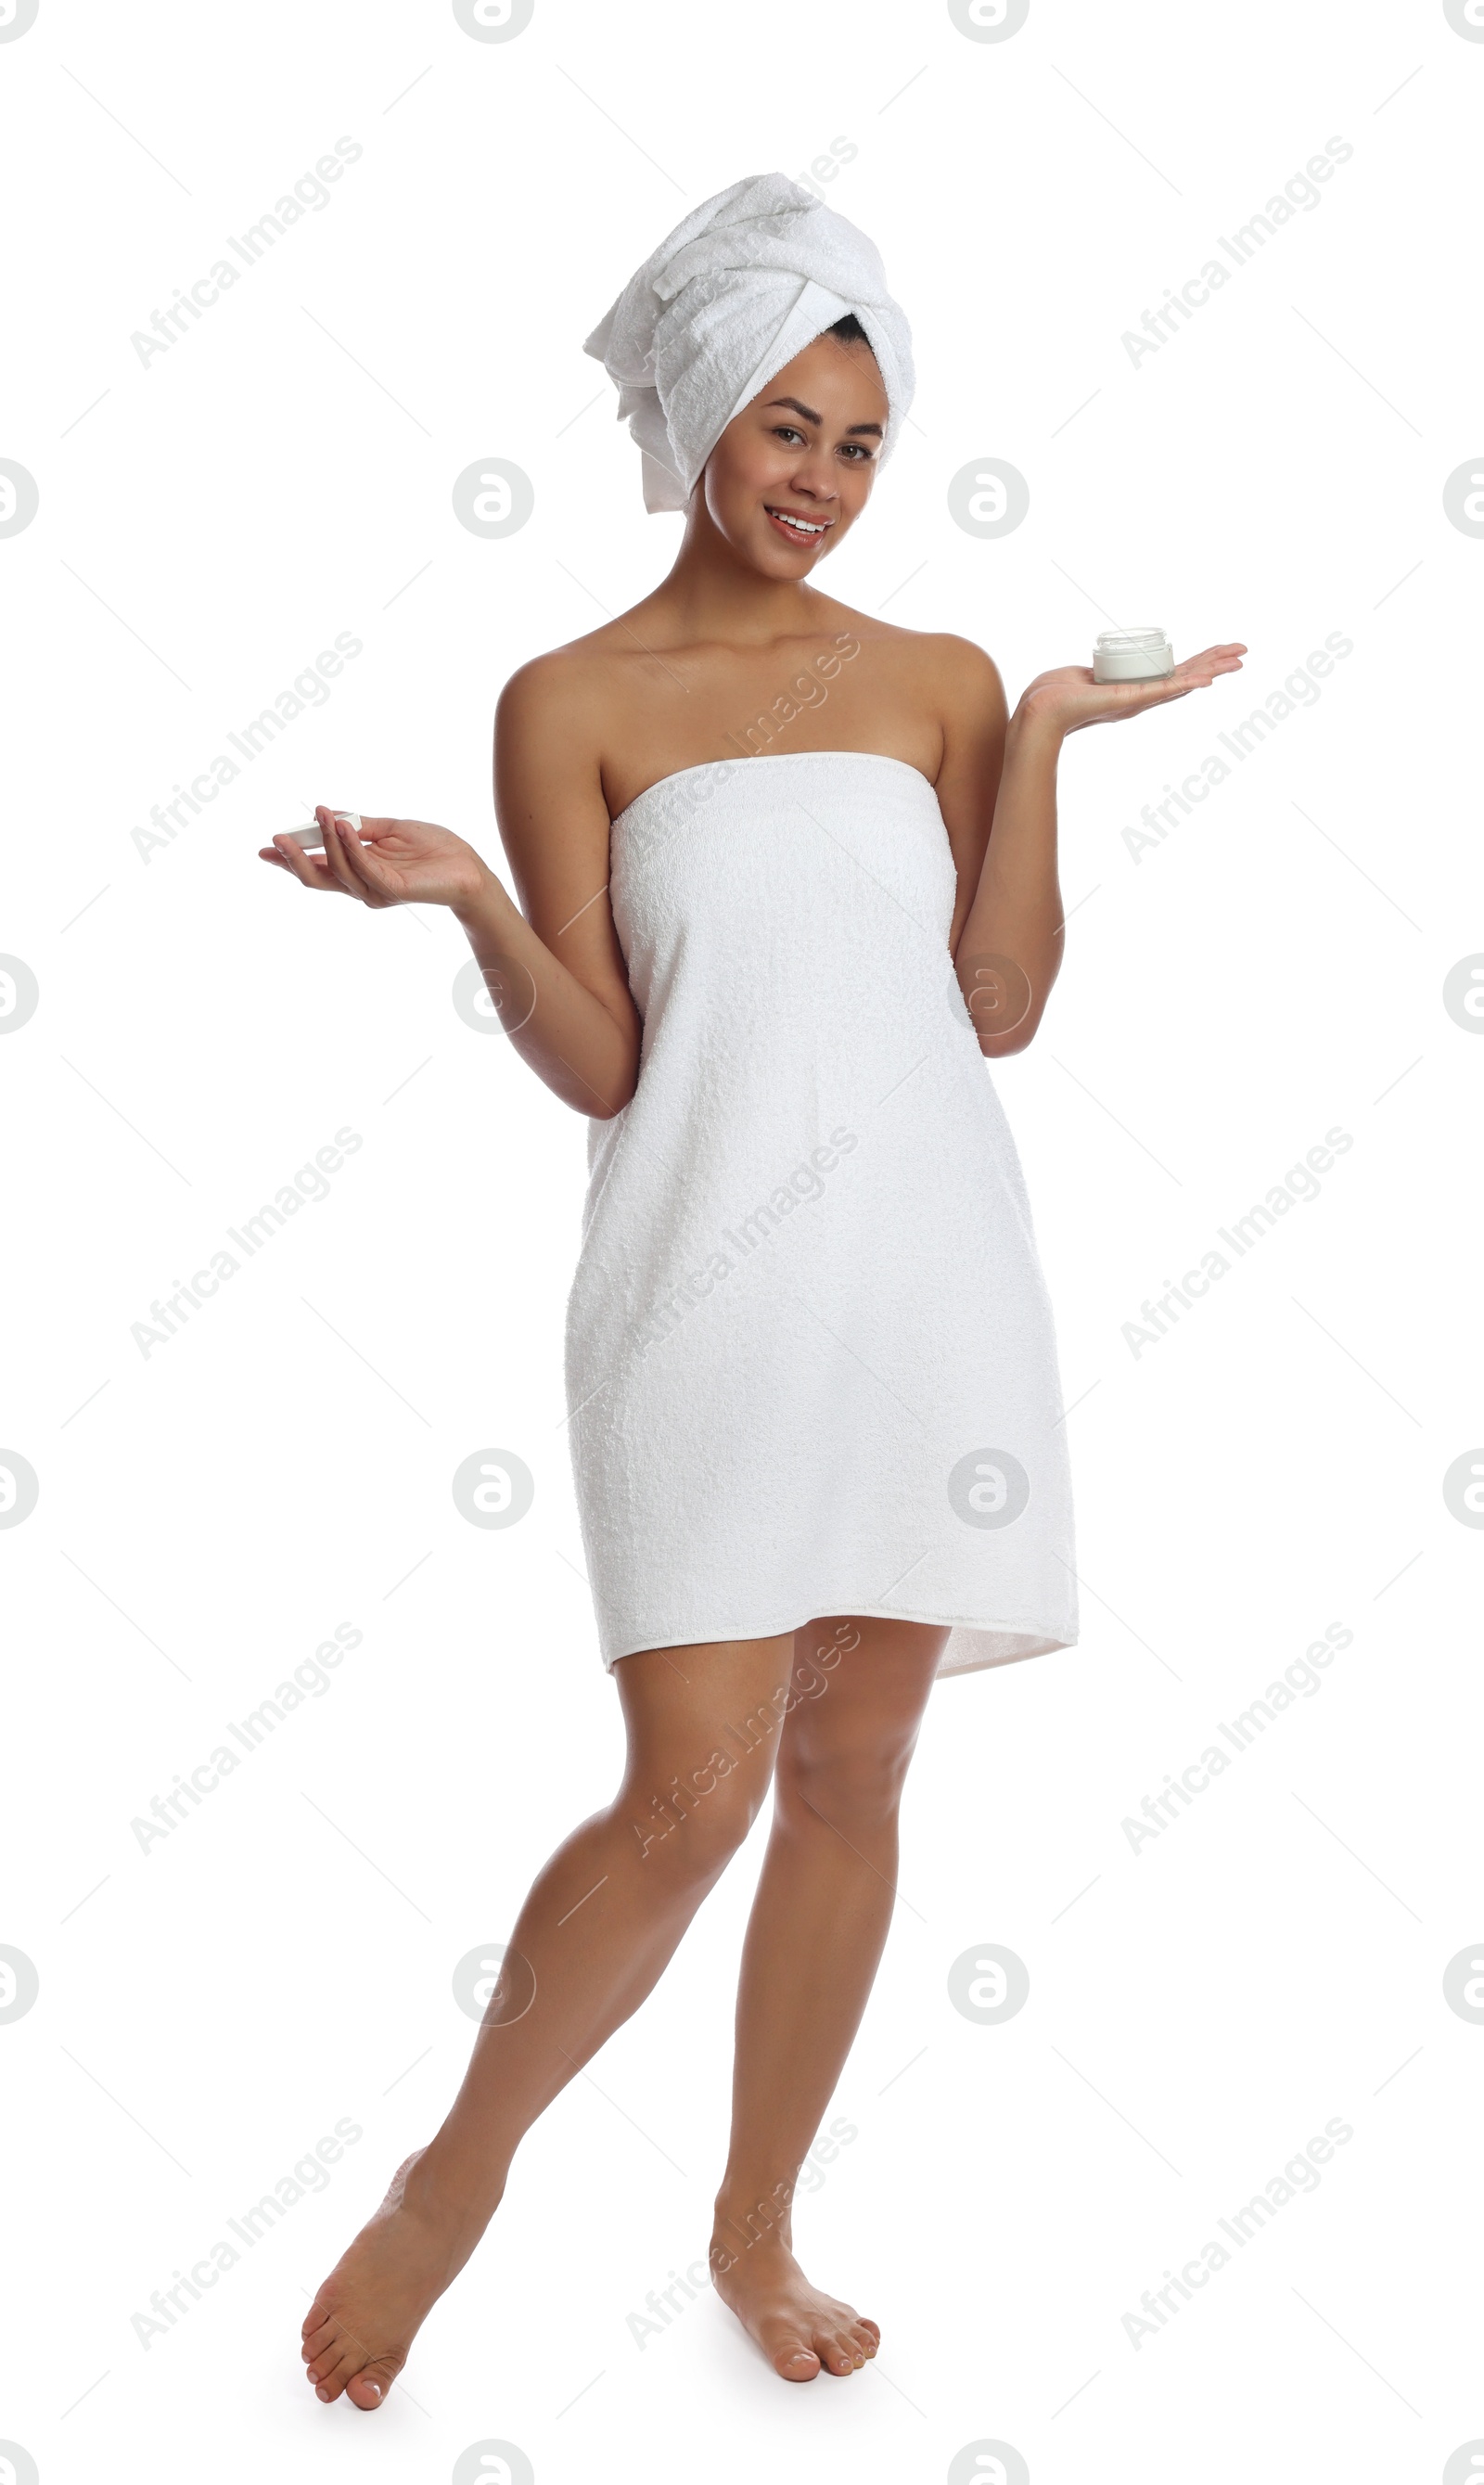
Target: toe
331, 2378
317, 2315
317, 2341
796, 2360
372, 2383
838, 2353
330, 2347
866, 2336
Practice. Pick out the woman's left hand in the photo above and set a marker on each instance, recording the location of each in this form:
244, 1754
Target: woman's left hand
1069, 697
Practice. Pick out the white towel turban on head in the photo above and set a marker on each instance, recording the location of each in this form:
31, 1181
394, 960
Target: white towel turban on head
744, 283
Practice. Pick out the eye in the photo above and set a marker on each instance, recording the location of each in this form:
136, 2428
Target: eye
787, 431
860, 456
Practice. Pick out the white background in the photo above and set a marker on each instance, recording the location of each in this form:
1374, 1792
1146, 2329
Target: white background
208, 1514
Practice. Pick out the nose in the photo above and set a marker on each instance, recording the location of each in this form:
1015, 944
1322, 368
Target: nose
813, 475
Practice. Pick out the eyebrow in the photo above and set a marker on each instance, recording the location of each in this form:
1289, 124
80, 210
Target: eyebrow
810, 416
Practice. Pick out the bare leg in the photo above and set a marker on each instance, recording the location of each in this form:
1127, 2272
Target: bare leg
595, 1934
814, 1939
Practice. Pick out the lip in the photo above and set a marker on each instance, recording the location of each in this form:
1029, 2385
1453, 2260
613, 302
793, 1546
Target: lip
777, 511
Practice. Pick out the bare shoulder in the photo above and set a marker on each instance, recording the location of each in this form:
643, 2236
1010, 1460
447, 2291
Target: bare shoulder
964, 666
965, 680
554, 689
953, 669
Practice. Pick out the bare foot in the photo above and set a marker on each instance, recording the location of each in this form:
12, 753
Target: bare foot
371, 2308
798, 2327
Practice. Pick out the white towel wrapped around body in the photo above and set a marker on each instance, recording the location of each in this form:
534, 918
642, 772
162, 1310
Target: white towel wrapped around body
741, 286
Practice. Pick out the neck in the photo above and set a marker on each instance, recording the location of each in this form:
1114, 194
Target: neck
712, 592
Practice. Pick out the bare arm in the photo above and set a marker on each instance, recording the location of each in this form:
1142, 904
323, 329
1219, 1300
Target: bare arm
555, 967
1009, 944
1010, 949
555, 972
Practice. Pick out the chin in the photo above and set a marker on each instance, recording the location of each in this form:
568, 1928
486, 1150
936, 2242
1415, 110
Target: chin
778, 563
782, 560
773, 559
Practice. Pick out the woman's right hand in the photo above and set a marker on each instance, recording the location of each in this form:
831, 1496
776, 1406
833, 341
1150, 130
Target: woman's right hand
393, 863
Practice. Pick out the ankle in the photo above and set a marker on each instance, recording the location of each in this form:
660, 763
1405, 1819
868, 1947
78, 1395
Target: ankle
748, 2213
442, 2191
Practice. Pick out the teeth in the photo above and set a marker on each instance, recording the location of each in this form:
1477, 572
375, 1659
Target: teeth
800, 525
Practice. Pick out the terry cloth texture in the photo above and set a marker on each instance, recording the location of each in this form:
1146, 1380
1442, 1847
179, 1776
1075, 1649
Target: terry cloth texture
744, 283
811, 1359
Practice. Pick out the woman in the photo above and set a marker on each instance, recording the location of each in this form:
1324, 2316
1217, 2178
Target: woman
786, 874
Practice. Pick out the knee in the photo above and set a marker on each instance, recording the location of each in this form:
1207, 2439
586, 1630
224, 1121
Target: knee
860, 1785
694, 1827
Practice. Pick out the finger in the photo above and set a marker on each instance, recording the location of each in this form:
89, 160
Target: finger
369, 874
271, 854
1217, 660
292, 855
337, 859
373, 832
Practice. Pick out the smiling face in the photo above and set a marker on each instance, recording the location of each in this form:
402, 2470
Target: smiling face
793, 472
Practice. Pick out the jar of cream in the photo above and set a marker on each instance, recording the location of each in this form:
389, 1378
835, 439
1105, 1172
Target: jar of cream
1131, 656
